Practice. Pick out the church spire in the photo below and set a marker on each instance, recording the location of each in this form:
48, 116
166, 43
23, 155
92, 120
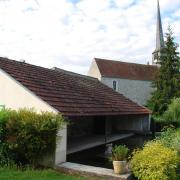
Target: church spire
159, 37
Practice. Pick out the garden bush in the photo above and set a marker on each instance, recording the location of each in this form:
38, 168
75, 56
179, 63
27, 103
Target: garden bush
172, 115
155, 162
26, 136
4, 153
170, 137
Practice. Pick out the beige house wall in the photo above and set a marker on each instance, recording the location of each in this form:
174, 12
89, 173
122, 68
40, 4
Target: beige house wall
15, 96
94, 70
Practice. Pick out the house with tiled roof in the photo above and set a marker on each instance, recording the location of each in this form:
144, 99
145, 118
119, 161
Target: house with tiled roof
132, 80
97, 115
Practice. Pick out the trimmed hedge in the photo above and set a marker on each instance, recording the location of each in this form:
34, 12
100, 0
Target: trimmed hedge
26, 136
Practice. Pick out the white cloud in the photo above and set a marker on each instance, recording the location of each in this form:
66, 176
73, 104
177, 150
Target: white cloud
60, 33
177, 13
123, 3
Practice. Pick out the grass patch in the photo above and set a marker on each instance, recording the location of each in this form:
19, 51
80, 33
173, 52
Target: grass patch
15, 174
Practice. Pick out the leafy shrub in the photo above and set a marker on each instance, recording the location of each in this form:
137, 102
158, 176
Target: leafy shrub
29, 135
155, 161
4, 151
119, 152
172, 115
170, 137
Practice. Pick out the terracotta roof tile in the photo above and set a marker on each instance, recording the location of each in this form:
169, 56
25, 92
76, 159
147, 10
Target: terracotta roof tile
71, 94
124, 70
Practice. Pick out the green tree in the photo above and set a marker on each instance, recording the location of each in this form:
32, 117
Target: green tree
167, 82
172, 115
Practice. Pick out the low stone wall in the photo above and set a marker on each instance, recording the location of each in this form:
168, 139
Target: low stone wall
91, 172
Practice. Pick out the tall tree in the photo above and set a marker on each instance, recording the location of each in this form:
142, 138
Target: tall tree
167, 82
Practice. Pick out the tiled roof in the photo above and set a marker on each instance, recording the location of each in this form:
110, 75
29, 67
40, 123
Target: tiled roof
124, 70
71, 94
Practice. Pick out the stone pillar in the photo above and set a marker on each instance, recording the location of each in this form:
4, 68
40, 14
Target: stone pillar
61, 146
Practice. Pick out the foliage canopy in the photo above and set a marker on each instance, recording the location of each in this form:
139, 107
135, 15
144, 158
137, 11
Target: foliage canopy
167, 82
172, 114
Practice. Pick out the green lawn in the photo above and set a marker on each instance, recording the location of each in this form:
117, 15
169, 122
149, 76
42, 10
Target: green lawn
13, 174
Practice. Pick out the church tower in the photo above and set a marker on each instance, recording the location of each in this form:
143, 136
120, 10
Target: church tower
159, 38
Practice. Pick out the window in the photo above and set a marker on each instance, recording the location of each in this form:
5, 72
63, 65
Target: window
115, 85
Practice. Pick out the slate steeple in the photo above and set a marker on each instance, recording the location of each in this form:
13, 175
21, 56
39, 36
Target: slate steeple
159, 37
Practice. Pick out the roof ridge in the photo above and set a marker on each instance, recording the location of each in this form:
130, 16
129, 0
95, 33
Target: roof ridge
147, 65
54, 69
23, 62
126, 70
73, 73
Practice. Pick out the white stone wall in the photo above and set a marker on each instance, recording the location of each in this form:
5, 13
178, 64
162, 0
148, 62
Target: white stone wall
13, 95
61, 146
136, 90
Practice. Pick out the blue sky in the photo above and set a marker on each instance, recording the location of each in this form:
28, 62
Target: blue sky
70, 33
